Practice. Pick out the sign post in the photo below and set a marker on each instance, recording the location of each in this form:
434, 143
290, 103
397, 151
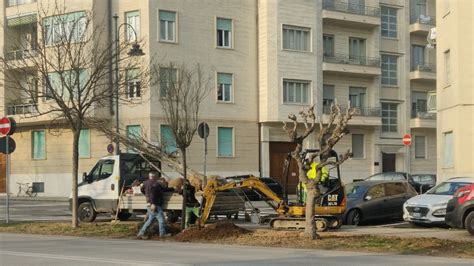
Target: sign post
203, 131
407, 141
7, 127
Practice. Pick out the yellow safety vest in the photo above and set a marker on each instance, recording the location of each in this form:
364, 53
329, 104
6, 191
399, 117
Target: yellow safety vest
312, 174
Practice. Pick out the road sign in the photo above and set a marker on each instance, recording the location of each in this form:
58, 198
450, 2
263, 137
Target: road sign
3, 145
203, 130
407, 140
110, 148
7, 126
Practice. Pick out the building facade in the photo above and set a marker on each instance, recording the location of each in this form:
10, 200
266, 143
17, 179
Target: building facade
455, 89
264, 62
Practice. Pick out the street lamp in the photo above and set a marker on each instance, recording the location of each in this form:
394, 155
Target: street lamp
134, 51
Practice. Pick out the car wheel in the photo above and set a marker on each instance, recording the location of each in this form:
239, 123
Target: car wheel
86, 212
353, 217
469, 223
123, 216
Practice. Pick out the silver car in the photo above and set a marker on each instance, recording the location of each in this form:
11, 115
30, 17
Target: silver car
430, 208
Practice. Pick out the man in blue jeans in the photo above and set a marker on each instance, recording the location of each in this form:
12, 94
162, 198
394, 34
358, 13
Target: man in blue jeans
156, 210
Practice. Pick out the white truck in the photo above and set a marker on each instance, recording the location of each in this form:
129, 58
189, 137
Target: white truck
106, 189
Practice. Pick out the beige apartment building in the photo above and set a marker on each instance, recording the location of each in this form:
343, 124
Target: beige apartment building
266, 59
455, 89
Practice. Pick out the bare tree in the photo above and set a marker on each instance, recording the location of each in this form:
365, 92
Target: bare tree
182, 90
73, 60
328, 136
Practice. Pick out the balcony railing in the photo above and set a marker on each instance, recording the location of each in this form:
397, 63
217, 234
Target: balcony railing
423, 115
424, 67
22, 109
351, 8
359, 111
351, 60
19, 54
423, 19
20, 2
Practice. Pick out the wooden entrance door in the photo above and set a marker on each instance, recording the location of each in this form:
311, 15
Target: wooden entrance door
278, 153
3, 173
388, 162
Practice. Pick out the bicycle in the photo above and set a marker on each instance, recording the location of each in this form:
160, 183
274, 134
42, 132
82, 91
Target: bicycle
26, 189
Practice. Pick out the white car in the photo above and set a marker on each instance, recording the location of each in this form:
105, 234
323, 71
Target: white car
430, 208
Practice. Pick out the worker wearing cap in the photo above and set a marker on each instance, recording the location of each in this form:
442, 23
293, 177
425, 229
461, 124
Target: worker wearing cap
311, 174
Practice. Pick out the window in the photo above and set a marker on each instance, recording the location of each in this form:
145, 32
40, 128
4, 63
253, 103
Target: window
357, 50
389, 22
417, 57
62, 85
133, 19
295, 91
328, 95
168, 79
167, 26
420, 147
357, 97
224, 33
167, 139
389, 117
102, 170
133, 83
447, 66
85, 143
389, 69
296, 38
225, 142
224, 87
448, 155
328, 45
358, 146
418, 103
356, 6
134, 132
38, 145
376, 191
394, 189
65, 28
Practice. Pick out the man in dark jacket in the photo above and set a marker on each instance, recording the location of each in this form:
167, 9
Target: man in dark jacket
192, 204
156, 199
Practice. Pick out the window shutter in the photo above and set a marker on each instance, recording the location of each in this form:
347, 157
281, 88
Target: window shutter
223, 78
225, 141
420, 147
84, 144
39, 149
167, 15
167, 139
358, 145
224, 24
328, 92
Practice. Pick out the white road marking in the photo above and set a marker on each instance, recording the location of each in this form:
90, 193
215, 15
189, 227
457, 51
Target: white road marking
86, 259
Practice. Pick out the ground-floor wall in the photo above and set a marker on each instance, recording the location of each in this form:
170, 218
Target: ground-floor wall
423, 156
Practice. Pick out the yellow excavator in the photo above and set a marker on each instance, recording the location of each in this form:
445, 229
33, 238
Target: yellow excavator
328, 208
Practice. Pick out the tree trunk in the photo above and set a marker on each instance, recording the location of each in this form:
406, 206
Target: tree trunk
183, 211
75, 168
310, 229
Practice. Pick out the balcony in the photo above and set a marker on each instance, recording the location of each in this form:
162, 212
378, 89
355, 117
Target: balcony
421, 24
351, 15
423, 120
423, 72
20, 2
22, 109
369, 116
19, 54
362, 65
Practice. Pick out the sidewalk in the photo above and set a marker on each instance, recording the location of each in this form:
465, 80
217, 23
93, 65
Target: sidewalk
3, 196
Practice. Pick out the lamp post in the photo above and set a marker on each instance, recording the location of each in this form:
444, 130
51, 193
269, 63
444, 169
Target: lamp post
134, 51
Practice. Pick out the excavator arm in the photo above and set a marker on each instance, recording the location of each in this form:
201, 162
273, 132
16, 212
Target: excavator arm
213, 186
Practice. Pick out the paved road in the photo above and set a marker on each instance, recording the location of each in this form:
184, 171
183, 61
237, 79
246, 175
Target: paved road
18, 249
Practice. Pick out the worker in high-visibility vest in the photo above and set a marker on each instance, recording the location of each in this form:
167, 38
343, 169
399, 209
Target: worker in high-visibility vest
311, 174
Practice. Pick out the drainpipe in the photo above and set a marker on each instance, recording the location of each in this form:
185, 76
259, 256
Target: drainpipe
110, 39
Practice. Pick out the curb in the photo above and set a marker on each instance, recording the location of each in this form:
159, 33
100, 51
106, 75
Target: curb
14, 198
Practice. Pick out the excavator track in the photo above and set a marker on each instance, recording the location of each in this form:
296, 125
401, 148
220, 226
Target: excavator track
293, 223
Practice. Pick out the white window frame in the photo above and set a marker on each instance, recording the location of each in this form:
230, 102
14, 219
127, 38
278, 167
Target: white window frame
425, 150
389, 22
296, 81
391, 74
167, 24
133, 84
54, 28
129, 34
308, 42
363, 146
231, 96
225, 34
217, 142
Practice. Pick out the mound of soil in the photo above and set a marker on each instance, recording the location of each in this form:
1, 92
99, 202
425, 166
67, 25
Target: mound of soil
218, 230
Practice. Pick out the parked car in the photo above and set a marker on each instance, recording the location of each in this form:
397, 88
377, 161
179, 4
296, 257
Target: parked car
368, 200
253, 195
391, 176
460, 209
430, 208
423, 182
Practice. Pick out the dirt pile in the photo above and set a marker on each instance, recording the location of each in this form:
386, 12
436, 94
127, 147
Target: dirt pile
215, 231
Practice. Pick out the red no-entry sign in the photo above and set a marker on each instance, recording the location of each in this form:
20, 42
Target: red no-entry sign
407, 139
6, 126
